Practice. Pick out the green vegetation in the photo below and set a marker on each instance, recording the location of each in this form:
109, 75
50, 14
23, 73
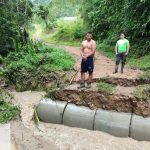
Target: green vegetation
47, 13
63, 8
71, 30
105, 87
107, 50
107, 18
14, 18
70, 33
145, 76
32, 66
39, 56
142, 63
7, 111
142, 92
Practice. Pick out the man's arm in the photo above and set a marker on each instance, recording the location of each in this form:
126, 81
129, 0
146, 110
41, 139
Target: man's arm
82, 50
93, 49
128, 48
116, 49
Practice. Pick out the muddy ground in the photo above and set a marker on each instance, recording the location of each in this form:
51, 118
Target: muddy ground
95, 99
29, 136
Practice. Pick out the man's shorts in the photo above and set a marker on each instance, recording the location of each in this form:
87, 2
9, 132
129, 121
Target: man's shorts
87, 65
122, 57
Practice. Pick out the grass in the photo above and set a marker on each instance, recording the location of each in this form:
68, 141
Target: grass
142, 63
145, 75
105, 87
43, 56
106, 50
66, 33
31, 67
62, 42
142, 92
7, 110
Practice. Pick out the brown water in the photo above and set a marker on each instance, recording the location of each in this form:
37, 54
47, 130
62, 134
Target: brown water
6, 142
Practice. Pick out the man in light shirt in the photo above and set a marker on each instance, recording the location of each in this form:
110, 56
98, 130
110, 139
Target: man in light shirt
121, 50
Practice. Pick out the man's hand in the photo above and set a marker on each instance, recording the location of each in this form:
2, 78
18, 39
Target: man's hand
84, 57
126, 53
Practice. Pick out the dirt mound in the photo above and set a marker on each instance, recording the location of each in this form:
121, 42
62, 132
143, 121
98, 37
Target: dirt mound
97, 99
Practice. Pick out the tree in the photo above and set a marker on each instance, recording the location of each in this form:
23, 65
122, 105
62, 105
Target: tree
107, 18
14, 21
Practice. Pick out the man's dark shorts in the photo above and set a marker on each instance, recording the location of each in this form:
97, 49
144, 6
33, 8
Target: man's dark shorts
87, 65
122, 57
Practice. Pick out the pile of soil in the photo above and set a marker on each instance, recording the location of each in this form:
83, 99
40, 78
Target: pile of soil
97, 99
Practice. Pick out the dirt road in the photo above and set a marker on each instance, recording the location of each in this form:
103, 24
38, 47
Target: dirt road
103, 65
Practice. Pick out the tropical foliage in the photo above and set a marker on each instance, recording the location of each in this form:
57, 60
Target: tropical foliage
107, 18
14, 19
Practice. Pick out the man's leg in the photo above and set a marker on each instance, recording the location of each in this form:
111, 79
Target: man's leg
90, 70
83, 71
116, 68
90, 77
82, 84
117, 63
123, 62
82, 77
89, 80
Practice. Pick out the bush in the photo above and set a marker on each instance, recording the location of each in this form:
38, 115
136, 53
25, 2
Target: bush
7, 111
32, 68
71, 30
1, 59
107, 18
142, 63
105, 87
142, 92
54, 58
144, 76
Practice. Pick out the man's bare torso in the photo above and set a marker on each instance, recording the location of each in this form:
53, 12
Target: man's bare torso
88, 46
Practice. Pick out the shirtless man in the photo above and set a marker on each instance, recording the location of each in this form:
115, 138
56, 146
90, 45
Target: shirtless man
87, 53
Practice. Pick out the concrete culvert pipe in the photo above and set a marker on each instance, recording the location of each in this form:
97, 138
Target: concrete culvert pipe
51, 111
114, 123
79, 116
140, 128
